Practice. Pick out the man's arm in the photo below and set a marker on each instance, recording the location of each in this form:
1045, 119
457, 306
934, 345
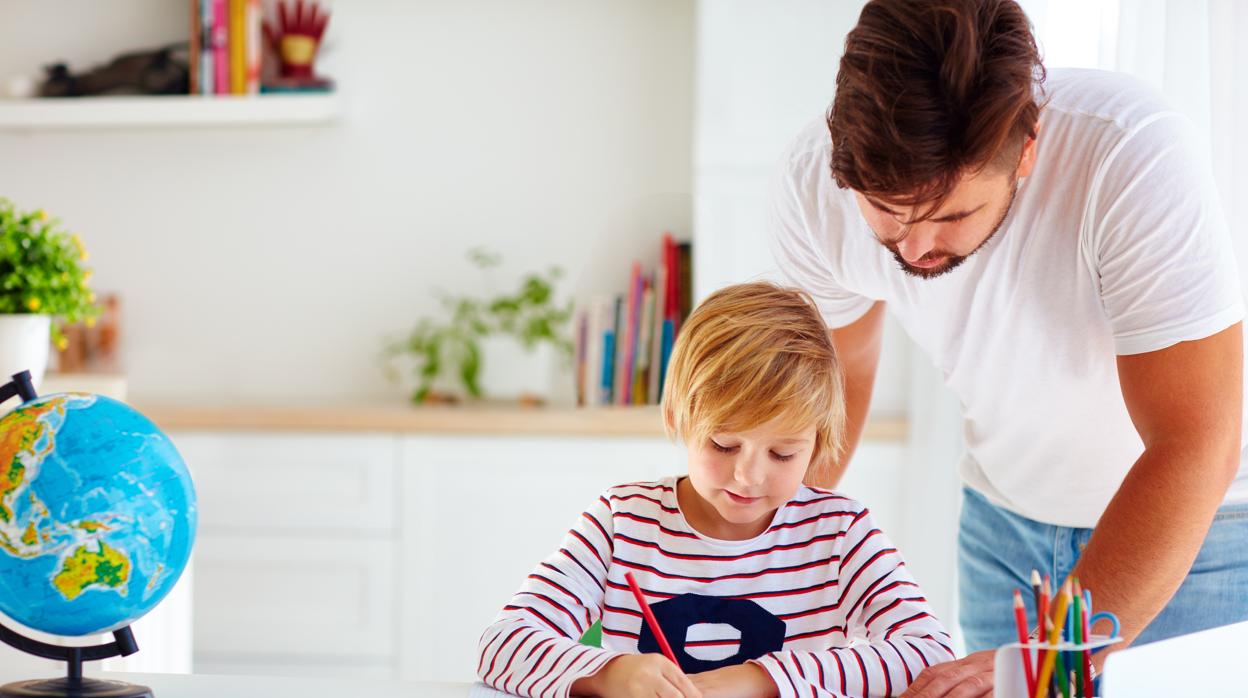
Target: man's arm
1186, 402
858, 350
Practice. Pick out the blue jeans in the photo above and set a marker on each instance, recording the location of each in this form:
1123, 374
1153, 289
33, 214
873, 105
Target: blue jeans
997, 550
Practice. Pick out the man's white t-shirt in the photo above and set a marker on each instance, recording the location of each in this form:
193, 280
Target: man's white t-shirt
1115, 245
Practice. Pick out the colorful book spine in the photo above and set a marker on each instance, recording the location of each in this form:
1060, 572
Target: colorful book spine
685, 271
618, 325
608, 365
207, 51
641, 366
196, 35
238, 46
254, 22
668, 339
221, 45
634, 322
656, 336
582, 335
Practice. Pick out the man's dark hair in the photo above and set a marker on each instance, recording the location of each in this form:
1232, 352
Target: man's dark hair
930, 90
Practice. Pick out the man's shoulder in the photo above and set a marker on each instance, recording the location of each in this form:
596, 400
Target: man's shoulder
1112, 100
811, 144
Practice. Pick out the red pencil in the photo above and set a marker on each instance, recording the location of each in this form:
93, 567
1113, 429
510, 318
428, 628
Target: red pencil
650, 619
1020, 619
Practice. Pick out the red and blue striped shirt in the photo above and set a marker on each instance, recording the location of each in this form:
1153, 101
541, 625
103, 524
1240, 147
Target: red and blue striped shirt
852, 620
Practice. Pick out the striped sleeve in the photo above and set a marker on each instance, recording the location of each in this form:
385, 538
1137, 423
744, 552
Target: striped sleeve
885, 609
532, 648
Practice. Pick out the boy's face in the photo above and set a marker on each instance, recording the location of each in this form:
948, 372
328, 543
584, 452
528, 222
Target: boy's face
739, 479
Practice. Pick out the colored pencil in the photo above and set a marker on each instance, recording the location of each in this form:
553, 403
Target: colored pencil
1077, 631
650, 619
1020, 620
1035, 591
1088, 688
1044, 624
1055, 634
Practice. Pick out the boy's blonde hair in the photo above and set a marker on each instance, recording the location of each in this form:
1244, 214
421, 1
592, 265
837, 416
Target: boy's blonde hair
750, 354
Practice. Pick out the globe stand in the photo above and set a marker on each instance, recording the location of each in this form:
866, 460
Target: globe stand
73, 685
21, 386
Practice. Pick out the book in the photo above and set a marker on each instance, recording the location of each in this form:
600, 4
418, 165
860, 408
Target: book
221, 46
194, 57
206, 43
582, 336
641, 366
685, 272
238, 46
656, 336
254, 23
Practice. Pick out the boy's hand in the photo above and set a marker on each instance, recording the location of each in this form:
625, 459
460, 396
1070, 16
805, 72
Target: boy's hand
637, 676
740, 681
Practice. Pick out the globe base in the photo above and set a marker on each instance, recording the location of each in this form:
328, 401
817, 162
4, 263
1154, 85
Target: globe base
66, 688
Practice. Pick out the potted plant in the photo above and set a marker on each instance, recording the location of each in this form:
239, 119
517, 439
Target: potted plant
498, 346
43, 280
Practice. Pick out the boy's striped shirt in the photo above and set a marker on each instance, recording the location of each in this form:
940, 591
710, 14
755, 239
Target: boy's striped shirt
854, 622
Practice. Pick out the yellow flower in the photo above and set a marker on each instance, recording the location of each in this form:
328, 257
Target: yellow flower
33, 304
82, 250
89, 322
41, 215
62, 343
86, 275
91, 298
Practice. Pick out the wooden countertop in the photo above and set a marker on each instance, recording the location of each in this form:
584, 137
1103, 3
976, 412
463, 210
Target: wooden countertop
463, 419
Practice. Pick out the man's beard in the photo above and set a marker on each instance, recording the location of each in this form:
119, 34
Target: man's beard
954, 260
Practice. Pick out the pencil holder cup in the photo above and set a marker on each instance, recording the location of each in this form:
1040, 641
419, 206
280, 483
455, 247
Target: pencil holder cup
1009, 679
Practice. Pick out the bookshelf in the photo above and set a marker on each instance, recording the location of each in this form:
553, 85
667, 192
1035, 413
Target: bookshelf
170, 111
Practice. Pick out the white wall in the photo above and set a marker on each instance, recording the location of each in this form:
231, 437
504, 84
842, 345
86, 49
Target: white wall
765, 71
263, 264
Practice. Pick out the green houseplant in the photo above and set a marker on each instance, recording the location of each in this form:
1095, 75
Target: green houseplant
448, 351
43, 281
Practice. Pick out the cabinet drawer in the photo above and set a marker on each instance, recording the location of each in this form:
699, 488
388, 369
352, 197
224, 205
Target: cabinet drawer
281, 596
293, 482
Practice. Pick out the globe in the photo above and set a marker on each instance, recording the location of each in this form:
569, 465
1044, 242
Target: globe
97, 514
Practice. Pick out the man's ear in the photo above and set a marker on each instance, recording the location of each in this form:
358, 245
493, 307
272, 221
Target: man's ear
1028, 159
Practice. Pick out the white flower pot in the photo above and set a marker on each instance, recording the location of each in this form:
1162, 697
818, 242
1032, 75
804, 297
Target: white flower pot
24, 345
508, 371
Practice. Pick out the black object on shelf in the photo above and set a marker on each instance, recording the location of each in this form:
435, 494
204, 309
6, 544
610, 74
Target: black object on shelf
73, 685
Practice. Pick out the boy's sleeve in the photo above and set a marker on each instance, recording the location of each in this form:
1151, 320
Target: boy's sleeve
532, 648
894, 634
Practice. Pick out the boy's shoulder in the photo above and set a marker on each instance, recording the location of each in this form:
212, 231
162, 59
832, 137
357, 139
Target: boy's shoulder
818, 501
648, 493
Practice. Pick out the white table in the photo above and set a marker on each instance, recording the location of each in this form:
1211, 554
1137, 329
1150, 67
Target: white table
219, 686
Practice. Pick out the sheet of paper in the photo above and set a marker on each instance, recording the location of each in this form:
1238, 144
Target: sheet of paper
1207, 663
480, 690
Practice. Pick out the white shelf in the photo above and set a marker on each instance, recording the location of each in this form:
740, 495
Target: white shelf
170, 111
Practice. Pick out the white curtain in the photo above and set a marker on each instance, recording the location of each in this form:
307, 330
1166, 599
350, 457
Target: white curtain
1190, 50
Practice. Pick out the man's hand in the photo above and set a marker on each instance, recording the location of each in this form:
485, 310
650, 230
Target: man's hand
637, 676
739, 681
970, 677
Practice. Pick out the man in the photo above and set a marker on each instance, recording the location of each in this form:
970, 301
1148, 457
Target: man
1056, 248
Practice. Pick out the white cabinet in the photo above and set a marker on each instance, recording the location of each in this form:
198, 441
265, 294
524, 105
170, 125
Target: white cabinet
385, 555
297, 556
479, 514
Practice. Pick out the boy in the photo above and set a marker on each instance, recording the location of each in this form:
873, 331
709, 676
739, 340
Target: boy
759, 584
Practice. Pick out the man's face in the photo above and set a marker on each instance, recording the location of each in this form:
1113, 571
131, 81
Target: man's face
965, 221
